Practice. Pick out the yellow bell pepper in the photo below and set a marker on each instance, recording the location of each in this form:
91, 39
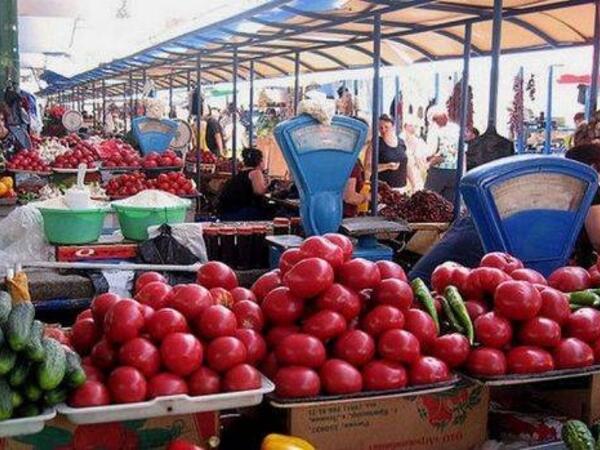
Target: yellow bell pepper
282, 442
3, 190
18, 288
7, 181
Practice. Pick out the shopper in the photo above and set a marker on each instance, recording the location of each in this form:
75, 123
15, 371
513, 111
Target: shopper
8, 143
214, 133
580, 125
442, 146
393, 161
416, 151
242, 197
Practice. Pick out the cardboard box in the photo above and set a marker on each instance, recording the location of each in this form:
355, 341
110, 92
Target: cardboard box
155, 433
455, 419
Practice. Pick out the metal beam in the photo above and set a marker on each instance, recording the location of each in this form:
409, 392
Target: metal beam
234, 112
296, 82
548, 127
595, 63
198, 126
9, 44
418, 48
251, 106
375, 114
495, 69
474, 49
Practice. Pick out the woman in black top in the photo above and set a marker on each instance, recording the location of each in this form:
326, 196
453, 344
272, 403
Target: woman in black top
242, 197
393, 161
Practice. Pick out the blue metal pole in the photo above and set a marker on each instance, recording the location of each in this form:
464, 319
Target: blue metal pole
521, 134
464, 110
494, 72
436, 88
396, 100
251, 106
234, 113
548, 129
296, 82
593, 102
375, 112
170, 94
198, 126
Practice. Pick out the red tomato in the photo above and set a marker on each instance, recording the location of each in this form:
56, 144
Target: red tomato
355, 347
399, 346
340, 299
90, 393
503, 261
92, 373
127, 385
570, 279
182, 444
422, 326
216, 274
395, 293
225, 352
140, 354
148, 277
281, 307
241, 293
486, 362
428, 370
529, 275
325, 325
216, 321
529, 359
493, 330
555, 305
309, 278
166, 321
266, 283
359, 274
290, 258
342, 242
165, 384
301, 350
319, 247
297, 382
338, 377
255, 345
85, 314
154, 294
123, 321
248, 315
540, 332
382, 318
84, 335
147, 313
277, 333
573, 353
452, 348
597, 351
204, 381
103, 355
475, 308
483, 281
594, 276
384, 375
181, 353
100, 306
389, 269
242, 377
190, 300
584, 324
221, 296
449, 274
517, 300
269, 366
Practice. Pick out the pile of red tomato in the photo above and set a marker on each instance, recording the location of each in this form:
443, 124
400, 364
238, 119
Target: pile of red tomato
29, 160
523, 322
155, 160
80, 153
117, 154
170, 340
126, 185
338, 326
206, 157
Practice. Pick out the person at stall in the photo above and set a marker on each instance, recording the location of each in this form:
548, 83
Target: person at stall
8, 143
416, 150
214, 133
462, 243
242, 197
353, 193
580, 123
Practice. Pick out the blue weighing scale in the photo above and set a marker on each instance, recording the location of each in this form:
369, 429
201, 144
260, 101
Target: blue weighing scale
153, 135
532, 207
321, 158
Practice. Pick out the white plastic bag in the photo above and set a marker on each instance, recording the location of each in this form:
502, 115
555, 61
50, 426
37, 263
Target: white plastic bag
187, 234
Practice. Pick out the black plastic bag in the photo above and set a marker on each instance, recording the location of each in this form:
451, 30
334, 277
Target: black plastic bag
488, 147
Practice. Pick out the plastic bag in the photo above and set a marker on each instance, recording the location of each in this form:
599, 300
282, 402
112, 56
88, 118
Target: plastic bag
187, 234
22, 237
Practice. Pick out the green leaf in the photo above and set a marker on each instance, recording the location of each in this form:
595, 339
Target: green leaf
47, 439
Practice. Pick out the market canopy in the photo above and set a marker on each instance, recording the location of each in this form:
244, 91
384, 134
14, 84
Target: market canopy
338, 35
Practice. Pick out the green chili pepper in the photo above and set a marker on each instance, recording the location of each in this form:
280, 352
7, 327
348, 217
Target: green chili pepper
454, 323
587, 298
460, 310
424, 296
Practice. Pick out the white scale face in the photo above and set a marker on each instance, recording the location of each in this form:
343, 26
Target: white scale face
153, 126
323, 137
537, 191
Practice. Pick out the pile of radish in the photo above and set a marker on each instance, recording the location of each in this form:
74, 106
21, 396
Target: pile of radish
154, 160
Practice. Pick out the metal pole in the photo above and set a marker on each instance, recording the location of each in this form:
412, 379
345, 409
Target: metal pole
396, 101
9, 43
188, 80
436, 88
521, 134
125, 108
94, 111
296, 82
198, 125
130, 100
103, 119
464, 111
375, 112
381, 89
234, 112
251, 106
548, 128
593, 103
494, 72
170, 94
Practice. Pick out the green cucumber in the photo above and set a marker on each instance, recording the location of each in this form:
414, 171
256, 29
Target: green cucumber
16, 399
577, 436
18, 326
28, 410
2, 339
452, 320
51, 371
460, 311
55, 396
5, 306
74, 374
32, 392
34, 348
8, 358
6, 406
424, 296
586, 298
18, 374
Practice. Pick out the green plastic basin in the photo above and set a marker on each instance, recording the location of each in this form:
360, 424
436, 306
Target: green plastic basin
135, 220
65, 226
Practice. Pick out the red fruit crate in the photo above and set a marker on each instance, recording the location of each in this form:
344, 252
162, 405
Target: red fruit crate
94, 252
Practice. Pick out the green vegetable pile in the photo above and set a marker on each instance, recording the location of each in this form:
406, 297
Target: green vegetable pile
36, 372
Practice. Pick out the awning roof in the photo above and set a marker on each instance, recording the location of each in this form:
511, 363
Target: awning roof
337, 34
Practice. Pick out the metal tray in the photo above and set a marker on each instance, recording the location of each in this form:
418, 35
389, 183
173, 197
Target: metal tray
507, 380
74, 171
31, 172
165, 406
410, 391
26, 425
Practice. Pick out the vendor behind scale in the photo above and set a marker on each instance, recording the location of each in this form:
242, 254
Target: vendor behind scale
242, 197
